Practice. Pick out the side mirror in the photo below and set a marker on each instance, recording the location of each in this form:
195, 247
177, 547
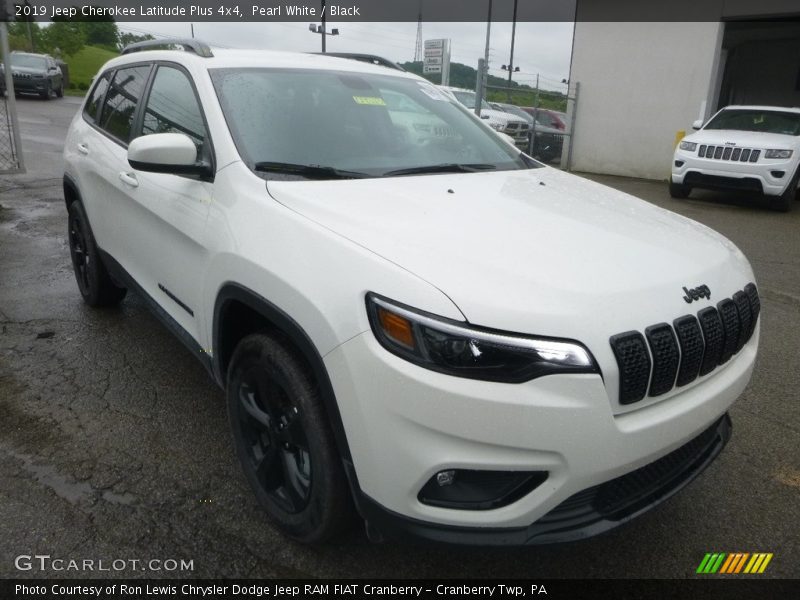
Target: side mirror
166, 153
697, 124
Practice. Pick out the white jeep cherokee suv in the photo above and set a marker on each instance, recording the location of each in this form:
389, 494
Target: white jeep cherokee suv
751, 148
455, 340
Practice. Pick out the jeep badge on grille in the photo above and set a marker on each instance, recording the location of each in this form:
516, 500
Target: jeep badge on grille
695, 294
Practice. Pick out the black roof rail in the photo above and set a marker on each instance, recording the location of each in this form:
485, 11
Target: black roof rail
367, 58
196, 46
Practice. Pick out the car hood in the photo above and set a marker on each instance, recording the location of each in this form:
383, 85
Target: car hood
735, 138
28, 70
535, 251
500, 116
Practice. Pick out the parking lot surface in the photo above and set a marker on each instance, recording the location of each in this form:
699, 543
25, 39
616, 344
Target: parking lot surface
114, 442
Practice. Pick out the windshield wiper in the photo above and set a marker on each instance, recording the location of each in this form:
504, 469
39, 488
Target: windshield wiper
443, 168
309, 171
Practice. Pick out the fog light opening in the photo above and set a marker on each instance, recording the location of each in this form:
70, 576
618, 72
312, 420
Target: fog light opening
777, 174
478, 490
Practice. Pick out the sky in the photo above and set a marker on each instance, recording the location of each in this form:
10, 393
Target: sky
543, 48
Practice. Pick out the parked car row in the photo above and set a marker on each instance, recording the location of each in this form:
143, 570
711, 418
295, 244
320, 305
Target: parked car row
547, 140
34, 74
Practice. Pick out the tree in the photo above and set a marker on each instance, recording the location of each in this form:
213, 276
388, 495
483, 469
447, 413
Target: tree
67, 37
101, 33
126, 38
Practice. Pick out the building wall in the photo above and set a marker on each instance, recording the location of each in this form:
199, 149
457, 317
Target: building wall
639, 84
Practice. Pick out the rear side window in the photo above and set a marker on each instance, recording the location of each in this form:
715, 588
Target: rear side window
122, 98
172, 107
98, 93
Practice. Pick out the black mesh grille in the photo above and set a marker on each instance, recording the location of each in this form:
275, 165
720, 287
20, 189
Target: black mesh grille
633, 360
626, 494
745, 318
694, 348
755, 305
691, 342
730, 324
664, 349
714, 338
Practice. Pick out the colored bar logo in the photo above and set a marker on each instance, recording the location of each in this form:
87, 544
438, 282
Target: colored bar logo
734, 563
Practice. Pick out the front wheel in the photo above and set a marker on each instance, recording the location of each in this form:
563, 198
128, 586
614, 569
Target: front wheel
284, 442
678, 190
46, 93
783, 203
60, 90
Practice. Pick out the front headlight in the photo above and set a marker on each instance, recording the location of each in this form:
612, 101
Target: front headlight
778, 154
497, 126
462, 350
690, 146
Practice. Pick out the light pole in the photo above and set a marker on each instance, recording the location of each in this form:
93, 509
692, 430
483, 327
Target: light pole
511, 68
313, 28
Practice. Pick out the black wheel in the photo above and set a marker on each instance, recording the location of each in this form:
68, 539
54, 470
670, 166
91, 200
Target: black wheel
46, 93
783, 203
678, 190
284, 442
60, 90
94, 282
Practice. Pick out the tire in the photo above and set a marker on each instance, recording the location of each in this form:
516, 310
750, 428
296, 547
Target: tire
60, 90
284, 441
94, 282
783, 203
46, 93
678, 190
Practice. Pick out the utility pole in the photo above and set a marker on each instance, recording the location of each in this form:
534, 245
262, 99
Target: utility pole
511, 58
313, 28
483, 75
323, 26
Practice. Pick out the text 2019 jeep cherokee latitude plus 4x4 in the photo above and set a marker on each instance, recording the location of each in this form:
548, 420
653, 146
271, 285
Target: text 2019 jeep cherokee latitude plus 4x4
425, 324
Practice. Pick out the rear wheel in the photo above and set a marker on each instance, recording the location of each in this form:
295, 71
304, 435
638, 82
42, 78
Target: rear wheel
94, 282
284, 442
678, 190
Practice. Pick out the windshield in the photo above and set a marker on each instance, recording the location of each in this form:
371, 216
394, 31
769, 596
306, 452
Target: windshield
29, 62
766, 121
326, 124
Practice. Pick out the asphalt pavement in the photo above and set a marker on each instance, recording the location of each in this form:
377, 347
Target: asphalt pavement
114, 442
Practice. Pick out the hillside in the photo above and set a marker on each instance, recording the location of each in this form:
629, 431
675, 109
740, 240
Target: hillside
464, 76
84, 64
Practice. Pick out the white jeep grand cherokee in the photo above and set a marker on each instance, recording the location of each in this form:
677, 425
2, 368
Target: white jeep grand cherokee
458, 342
751, 148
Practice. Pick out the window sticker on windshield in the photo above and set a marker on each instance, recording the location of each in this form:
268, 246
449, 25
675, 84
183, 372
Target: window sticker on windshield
758, 120
432, 92
369, 100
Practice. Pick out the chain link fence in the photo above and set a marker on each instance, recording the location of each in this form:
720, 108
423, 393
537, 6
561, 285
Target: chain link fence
10, 152
549, 107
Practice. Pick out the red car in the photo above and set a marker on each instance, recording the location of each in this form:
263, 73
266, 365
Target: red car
551, 118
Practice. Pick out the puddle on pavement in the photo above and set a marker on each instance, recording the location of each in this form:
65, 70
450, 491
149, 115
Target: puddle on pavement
66, 487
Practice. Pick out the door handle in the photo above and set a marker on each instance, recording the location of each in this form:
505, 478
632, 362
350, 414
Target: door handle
129, 179
83, 148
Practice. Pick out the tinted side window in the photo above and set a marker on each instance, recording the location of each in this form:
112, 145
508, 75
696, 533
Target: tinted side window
124, 94
96, 97
173, 108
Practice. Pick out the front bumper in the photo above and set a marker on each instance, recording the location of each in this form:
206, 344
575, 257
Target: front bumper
29, 85
404, 424
709, 173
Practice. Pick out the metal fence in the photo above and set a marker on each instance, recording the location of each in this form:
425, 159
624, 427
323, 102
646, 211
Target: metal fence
553, 108
10, 151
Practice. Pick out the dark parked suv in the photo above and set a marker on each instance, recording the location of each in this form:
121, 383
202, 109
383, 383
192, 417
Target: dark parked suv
35, 74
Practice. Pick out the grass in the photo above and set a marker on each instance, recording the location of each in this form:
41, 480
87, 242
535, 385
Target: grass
84, 64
